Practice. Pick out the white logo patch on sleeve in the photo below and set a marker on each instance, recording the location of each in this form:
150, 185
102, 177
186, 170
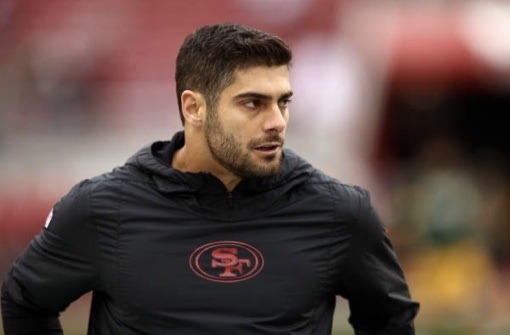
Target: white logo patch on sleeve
48, 219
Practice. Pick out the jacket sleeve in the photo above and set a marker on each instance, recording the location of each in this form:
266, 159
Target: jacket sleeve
373, 281
58, 267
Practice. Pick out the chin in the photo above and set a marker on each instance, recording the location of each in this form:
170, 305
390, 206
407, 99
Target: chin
266, 170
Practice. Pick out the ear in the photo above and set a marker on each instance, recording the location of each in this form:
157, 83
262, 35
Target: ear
193, 107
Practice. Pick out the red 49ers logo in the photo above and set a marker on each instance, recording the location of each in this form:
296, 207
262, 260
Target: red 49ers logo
226, 261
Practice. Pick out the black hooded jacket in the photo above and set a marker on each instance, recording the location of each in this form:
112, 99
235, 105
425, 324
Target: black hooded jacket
167, 252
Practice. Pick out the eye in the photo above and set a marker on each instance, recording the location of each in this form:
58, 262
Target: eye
284, 103
252, 104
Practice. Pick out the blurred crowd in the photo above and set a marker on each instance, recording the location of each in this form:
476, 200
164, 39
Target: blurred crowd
452, 220
404, 98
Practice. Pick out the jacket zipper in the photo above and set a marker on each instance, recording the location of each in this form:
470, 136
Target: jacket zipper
230, 198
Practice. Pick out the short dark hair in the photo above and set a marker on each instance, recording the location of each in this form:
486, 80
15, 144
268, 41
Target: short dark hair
210, 56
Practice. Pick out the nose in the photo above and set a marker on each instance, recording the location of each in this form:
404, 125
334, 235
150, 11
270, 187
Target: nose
276, 121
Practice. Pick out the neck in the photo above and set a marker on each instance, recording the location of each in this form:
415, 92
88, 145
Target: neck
195, 157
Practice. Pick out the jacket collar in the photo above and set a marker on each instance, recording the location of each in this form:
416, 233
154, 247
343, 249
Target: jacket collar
204, 192
155, 159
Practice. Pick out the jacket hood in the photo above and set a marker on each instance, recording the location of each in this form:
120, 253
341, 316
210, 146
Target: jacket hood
205, 194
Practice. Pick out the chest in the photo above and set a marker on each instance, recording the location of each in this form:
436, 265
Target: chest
177, 266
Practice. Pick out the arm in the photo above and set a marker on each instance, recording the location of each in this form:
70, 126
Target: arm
58, 267
373, 281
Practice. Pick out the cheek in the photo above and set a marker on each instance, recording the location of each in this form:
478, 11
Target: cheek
242, 128
239, 132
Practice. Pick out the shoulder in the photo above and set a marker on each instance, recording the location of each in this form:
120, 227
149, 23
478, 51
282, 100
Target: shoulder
100, 193
348, 200
70, 218
353, 208
76, 202
111, 184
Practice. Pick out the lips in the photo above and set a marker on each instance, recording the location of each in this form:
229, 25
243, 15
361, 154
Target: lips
268, 148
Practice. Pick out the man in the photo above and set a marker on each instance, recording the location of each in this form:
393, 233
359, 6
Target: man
220, 230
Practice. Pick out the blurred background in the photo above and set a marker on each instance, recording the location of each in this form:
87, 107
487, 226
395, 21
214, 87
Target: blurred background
405, 98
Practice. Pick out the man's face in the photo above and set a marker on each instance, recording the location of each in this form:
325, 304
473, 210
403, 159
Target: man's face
246, 131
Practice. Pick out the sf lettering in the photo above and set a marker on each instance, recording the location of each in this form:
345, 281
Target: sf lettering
227, 259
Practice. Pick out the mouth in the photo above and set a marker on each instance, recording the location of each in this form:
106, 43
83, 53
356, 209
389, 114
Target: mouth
268, 148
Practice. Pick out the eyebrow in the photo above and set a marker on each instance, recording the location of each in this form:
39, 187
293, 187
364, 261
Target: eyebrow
261, 96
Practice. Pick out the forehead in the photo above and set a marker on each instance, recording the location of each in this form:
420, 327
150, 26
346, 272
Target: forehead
269, 80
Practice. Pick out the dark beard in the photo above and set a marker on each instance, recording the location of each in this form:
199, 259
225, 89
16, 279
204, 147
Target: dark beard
228, 152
